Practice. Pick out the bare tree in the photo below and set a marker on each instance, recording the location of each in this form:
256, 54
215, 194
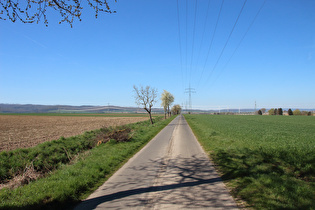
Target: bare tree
30, 11
167, 99
146, 97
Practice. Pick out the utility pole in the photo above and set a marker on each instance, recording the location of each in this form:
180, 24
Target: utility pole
190, 91
255, 107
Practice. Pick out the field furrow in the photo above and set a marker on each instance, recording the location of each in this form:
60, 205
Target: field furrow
20, 131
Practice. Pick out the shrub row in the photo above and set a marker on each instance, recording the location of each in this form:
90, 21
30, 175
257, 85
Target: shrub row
65, 187
48, 156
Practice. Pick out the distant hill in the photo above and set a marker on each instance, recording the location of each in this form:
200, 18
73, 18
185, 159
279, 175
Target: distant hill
31, 108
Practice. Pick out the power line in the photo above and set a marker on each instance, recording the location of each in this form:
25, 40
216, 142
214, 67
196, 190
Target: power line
238, 45
180, 44
204, 31
186, 39
227, 41
215, 29
193, 42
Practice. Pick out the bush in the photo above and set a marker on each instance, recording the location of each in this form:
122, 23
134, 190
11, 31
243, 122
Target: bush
44, 157
280, 112
297, 112
49, 156
119, 134
71, 183
290, 112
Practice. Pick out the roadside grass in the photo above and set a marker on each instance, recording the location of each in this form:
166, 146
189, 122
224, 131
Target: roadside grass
268, 161
65, 187
44, 157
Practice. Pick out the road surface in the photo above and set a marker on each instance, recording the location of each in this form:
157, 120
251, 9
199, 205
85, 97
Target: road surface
170, 172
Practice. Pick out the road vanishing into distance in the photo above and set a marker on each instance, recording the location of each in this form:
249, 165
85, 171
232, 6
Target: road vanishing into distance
170, 172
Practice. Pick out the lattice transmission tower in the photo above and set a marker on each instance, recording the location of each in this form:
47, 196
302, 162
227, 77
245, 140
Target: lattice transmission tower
190, 91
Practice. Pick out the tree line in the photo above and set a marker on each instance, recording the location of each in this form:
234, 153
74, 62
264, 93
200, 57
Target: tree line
147, 97
279, 111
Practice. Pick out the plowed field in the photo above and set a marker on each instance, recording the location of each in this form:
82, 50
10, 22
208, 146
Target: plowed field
19, 131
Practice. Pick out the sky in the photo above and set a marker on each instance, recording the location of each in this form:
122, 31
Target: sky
230, 54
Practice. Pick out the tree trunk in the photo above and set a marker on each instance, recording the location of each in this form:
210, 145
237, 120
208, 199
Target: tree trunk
151, 118
149, 111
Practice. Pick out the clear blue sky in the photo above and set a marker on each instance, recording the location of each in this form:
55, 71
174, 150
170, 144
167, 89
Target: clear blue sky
99, 60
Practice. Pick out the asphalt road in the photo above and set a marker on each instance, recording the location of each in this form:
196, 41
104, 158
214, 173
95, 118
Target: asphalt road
170, 172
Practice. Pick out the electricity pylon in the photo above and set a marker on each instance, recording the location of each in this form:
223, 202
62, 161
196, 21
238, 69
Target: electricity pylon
190, 91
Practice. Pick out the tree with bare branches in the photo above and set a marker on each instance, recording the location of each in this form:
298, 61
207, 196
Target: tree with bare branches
146, 97
33, 11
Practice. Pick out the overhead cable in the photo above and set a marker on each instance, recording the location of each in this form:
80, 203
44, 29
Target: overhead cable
204, 31
215, 29
238, 45
226, 41
193, 41
180, 44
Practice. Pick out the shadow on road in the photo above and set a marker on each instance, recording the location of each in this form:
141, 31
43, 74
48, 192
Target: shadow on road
188, 182
92, 203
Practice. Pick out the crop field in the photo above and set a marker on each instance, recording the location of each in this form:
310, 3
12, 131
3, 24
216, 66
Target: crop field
59, 174
22, 131
267, 161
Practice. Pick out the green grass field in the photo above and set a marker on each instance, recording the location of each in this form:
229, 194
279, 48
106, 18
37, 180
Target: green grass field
268, 161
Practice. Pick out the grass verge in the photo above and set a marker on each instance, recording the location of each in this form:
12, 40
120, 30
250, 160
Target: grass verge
65, 187
268, 161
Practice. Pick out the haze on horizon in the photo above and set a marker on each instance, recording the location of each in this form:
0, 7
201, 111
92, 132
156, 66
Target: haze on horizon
266, 55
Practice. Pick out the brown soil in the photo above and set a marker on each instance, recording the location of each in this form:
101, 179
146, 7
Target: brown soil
19, 131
